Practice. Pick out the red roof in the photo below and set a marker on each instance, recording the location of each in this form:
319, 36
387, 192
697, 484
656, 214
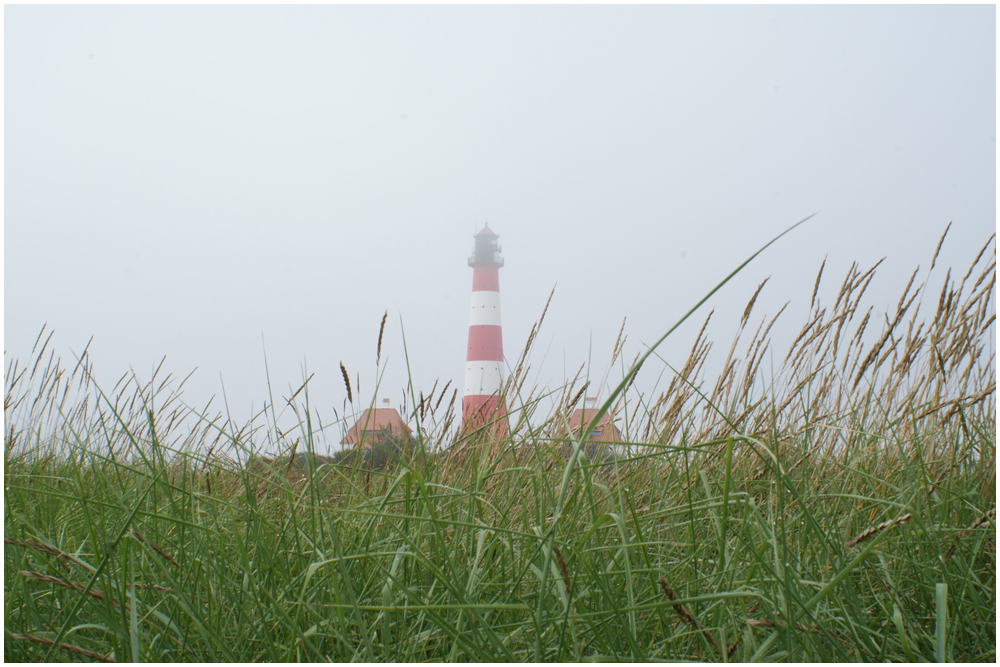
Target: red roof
374, 424
604, 431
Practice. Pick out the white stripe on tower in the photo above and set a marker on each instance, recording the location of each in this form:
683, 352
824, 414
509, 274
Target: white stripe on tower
485, 308
482, 378
481, 404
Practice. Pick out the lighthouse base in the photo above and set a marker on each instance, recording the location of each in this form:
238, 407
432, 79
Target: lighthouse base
484, 414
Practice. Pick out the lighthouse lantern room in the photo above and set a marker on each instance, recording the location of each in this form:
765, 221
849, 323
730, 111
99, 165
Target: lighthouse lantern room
487, 250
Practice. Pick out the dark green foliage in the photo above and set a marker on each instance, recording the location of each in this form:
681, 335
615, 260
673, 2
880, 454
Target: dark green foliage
385, 450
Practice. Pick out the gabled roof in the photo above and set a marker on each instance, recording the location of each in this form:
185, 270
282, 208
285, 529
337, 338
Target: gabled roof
605, 429
376, 422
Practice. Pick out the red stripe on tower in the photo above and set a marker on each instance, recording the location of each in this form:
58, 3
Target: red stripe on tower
482, 405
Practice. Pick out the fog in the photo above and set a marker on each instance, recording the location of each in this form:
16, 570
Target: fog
226, 185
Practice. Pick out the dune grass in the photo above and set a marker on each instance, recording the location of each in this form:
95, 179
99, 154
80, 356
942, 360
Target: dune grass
843, 511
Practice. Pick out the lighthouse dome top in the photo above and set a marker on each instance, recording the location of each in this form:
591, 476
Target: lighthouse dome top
487, 232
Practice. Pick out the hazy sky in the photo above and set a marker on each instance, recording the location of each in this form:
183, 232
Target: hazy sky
210, 183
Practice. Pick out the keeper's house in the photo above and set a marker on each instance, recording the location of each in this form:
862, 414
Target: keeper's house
604, 431
377, 425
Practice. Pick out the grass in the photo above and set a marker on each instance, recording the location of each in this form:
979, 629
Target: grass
843, 511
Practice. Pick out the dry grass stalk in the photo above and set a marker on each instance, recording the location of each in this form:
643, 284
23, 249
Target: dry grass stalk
80, 588
635, 373
576, 399
430, 397
914, 369
568, 390
985, 520
871, 532
69, 648
563, 570
154, 546
684, 614
72, 585
681, 388
819, 276
291, 457
938, 249
63, 557
347, 383
619, 342
441, 396
982, 522
381, 330
520, 373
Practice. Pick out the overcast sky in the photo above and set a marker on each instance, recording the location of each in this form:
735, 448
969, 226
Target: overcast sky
213, 183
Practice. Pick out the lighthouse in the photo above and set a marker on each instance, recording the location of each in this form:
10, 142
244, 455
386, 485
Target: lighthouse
482, 404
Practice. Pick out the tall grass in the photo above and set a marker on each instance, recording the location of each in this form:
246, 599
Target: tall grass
844, 510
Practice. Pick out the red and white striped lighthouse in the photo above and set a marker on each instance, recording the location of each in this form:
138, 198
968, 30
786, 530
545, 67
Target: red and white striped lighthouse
482, 404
